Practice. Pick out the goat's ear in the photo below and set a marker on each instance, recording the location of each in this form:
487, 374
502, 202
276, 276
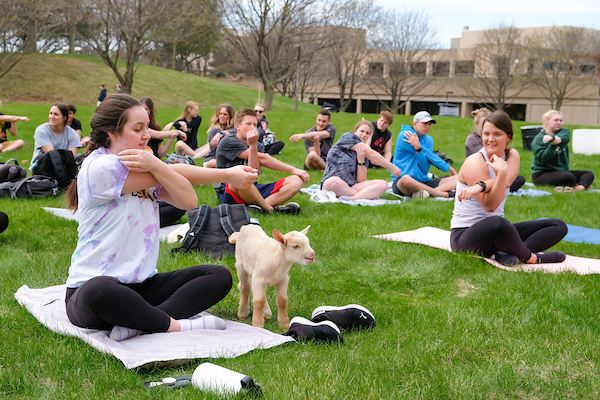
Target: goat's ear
278, 236
305, 230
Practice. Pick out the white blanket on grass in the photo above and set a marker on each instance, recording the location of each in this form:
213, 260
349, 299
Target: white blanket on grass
364, 202
440, 238
48, 306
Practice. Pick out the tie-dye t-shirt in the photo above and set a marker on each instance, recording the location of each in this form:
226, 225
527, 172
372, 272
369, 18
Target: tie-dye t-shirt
118, 233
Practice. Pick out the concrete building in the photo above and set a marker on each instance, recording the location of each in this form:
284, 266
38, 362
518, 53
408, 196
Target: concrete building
457, 76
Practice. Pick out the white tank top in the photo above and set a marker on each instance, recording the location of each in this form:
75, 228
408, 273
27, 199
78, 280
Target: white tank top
468, 212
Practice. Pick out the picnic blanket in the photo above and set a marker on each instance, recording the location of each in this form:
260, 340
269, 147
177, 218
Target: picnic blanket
74, 216
377, 202
48, 306
440, 238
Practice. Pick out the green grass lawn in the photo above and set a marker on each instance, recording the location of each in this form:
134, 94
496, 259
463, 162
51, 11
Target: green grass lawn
448, 326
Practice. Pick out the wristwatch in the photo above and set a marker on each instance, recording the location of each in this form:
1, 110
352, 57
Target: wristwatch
483, 185
361, 163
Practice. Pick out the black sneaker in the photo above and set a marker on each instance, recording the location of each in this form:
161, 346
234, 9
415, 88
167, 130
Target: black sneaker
303, 329
255, 209
348, 317
289, 208
506, 258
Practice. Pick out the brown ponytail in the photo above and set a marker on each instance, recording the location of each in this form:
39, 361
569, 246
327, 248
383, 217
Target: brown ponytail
110, 116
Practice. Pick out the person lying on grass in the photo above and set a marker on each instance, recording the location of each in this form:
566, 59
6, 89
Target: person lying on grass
113, 281
478, 224
346, 172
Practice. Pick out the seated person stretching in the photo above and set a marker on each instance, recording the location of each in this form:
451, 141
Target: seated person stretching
8, 123
317, 141
413, 155
474, 143
113, 281
478, 223
381, 140
243, 149
551, 157
346, 172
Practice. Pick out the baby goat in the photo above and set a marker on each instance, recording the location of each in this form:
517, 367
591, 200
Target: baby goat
268, 261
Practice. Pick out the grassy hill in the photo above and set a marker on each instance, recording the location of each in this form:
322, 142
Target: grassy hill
48, 78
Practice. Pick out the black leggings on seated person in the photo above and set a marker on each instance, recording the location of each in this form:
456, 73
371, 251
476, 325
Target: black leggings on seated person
103, 302
570, 178
493, 234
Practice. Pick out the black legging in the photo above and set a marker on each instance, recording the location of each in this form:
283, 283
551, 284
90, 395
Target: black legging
570, 178
274, 148
488, 236
168, 214
103, 301
517, 183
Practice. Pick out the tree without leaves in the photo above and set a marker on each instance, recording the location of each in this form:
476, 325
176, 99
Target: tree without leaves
122, 27
558, 57
191, 29
24, 26
267, 33
499, 68
346, 44
400, 41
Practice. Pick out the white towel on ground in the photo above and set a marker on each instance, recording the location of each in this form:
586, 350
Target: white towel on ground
440, 238
48, 306
377, 202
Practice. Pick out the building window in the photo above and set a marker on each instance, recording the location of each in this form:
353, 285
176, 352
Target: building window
396, 68
464, 68
376, 69
587, 69
441, 69
418, 68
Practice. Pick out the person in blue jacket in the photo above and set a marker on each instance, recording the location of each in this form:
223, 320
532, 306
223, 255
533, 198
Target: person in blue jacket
414, 154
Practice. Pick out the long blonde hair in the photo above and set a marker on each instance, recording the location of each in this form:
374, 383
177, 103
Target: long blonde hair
188, 106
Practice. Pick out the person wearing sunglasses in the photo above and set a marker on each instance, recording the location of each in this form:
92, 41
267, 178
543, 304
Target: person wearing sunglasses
265, 136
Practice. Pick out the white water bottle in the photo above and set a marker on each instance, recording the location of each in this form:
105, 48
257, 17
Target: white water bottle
212, 378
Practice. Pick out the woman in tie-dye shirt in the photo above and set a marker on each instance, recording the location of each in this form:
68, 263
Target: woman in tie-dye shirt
113, 281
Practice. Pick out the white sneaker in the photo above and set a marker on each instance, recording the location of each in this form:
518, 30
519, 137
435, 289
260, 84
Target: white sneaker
420, 194
331, 196
319, 197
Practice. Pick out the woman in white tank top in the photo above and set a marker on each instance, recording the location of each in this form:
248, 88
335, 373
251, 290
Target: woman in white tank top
478, 223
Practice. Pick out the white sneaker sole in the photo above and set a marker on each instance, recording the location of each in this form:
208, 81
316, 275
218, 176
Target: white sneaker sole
304, 321
322, 309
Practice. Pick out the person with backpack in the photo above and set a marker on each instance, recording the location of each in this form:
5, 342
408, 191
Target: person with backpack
113, 281
55, 134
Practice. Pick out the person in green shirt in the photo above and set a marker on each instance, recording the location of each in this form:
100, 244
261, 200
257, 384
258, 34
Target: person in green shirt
551, 157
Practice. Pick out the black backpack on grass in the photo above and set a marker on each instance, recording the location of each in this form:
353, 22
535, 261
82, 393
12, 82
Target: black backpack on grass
11, 172
58, 164
29, 188
210, 229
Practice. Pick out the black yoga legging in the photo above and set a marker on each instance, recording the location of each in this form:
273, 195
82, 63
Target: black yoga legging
103, 301
571, 178
168, 214
488, 236
274, 148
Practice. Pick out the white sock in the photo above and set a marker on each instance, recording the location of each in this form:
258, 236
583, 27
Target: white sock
120, 333
205, 322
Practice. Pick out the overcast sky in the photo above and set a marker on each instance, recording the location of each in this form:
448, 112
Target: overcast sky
448, 17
